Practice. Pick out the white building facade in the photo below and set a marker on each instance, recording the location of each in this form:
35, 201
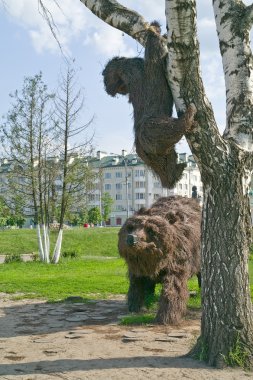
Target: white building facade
132, 185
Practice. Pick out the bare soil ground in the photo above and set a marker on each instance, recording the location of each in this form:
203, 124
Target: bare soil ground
76, 341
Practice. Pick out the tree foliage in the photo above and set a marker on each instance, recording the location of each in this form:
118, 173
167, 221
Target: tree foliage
48, 175
106, 203
26, 134
94, 215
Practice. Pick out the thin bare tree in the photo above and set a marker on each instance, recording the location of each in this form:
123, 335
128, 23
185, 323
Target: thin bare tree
76, 176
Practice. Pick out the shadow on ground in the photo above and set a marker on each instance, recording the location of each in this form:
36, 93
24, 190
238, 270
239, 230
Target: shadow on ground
35, 318
69, 365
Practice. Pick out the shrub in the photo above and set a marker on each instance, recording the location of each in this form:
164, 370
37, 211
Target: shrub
12, 257
70, 254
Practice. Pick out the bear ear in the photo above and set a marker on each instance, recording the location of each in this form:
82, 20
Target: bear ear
175, 217
171, 217
142, 211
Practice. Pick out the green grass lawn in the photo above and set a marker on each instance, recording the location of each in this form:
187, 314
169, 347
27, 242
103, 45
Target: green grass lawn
88, 278
85, 278
90, 275
83, 241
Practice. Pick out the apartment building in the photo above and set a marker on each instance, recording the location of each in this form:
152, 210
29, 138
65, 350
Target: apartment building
128, 181
132, 185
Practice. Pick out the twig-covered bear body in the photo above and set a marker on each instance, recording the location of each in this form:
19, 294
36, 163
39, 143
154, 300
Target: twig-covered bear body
156, 131
162, 245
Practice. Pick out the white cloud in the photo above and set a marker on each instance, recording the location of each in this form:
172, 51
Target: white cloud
206, 22
109, 42
149, 9
213, 78
73, 19
70, 21
213, 75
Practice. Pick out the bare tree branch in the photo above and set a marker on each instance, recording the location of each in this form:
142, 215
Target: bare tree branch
120, 17
248, 19
45, 12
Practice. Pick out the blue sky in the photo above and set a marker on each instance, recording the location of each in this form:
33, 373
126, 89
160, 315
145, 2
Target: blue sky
27, 47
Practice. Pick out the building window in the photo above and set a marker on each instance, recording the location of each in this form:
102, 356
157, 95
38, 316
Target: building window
118, 174
108, 186
186, 187
108, 175
119, 207
140, 184
139, 173
118, 186
139, 196
118, 197
118, 221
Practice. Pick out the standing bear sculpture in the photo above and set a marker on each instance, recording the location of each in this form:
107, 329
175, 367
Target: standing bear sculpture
162, 245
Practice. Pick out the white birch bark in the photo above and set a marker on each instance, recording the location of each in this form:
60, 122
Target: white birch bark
48, 242
57, 248
233, 23
45, 244
184, 77
120, 17
224, 173
179, 31
41, 249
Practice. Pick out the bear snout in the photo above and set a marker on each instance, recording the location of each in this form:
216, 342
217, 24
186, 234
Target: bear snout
131, 239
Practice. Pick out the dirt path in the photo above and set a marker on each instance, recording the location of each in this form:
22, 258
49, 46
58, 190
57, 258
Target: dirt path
40, 341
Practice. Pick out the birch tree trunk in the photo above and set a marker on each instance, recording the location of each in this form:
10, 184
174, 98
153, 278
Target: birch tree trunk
225, 163
57, 248
40, 245
227, 323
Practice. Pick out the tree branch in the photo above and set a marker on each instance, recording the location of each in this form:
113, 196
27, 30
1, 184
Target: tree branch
233, 21
50, 21
120, 17
248, 19
186, 83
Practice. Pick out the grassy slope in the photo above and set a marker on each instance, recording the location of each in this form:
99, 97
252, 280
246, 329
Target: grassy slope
85, 278
84, 241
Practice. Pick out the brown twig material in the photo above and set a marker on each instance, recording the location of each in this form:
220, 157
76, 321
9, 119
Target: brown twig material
162, 245
156, 132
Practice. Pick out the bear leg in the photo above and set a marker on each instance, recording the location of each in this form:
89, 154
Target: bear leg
139, 289
173, 299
